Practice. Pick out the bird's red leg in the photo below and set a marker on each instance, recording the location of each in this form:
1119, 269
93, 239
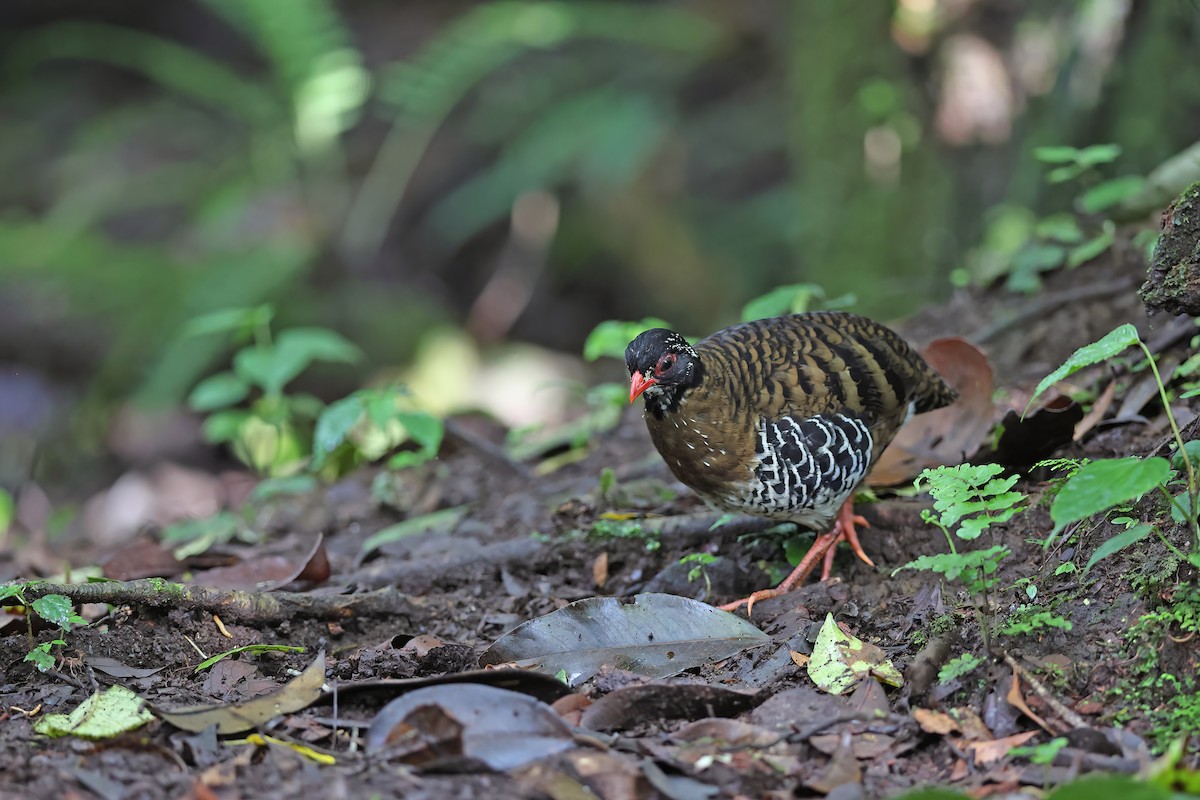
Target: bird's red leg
845, 530
823, 547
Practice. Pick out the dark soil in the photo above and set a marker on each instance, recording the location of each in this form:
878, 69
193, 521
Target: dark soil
521, 551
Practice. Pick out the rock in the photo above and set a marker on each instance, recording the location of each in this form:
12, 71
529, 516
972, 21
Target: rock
1173, 281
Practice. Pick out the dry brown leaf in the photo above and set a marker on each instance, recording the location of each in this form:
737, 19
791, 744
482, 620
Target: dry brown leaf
970, 724
600, 569
862, 745
420, 645
298, 693
800, 659
1030, 438
843, 768
996, 749
1017, 700
935, 721
268, 573
1099, 409
946, 435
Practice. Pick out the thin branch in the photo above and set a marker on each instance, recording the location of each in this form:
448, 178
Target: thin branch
270, 607
1067, 714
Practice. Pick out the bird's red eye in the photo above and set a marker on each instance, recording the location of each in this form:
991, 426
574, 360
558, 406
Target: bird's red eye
664, 364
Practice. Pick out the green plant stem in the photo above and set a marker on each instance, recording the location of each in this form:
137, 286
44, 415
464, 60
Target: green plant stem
1187, 461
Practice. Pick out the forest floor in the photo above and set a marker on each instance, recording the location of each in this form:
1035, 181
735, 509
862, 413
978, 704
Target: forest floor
519, 542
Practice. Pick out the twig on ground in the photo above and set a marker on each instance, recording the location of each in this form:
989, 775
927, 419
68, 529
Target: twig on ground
231, 603
1067, 714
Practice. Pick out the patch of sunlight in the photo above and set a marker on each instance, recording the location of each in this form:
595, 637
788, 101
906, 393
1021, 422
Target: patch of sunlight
519, 384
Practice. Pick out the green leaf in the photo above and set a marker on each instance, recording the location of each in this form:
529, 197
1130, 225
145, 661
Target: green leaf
287, 485
1111, 786
1100, 485
334, 425
223, 426
1191, 448
610, 338
1119, 542
795, 298
103, 715
437, 521
839, 661
7, 510
266, 367
1110, 193
220, 527
1056, 155
271, 367
1092, 248
957, 667
249, 648
228, 319
952, 565
1095, 154
218, 391
57, 610
1114, 342
40, 656
318, 344
12, 590
423, 428
1066, 173
1062, 228
1031, 260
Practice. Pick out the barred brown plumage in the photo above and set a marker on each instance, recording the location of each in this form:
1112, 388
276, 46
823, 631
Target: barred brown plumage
782, 417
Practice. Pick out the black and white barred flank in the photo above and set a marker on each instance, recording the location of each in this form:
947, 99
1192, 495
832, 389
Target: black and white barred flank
807, 468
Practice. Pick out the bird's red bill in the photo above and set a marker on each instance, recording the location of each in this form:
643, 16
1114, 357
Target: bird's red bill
638, 384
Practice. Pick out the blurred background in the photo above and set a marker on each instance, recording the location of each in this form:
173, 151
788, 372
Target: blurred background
465, 189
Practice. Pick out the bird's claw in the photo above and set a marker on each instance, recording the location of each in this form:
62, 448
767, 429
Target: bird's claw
761, 594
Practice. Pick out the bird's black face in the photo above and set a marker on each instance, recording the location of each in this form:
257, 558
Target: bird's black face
662, 365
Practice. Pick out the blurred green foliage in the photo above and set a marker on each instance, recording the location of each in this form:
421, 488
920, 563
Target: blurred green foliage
361, 166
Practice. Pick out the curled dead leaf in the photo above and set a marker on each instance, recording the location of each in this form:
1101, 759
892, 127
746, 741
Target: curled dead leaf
946, 435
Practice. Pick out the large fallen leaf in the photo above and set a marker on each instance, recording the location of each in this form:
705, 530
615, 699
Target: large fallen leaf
947, 435
298, 693
268, 573
378, 690
1025, 440
653, 634
839, 661
630, 706
442, 724
103, 715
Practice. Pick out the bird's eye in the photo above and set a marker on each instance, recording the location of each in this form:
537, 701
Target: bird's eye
664, 364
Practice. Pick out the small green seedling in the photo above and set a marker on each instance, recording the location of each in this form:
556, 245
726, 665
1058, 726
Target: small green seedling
1107, 484
1033, 619
249, 648
699, 561
971, 499
271, 434
958, 667
53, 608
613, 527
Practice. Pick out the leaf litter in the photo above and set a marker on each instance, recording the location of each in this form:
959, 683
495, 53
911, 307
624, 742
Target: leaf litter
873, 738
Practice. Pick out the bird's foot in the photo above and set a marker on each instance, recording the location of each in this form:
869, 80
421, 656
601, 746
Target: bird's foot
844, 530
823, 544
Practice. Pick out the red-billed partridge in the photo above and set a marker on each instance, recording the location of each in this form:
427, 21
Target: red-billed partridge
782, 417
